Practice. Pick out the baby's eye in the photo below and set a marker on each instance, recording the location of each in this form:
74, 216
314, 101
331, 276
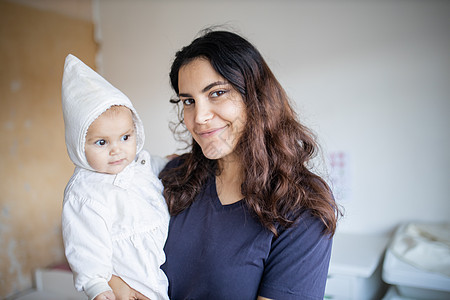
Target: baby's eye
125, 137
100, 143
187, 102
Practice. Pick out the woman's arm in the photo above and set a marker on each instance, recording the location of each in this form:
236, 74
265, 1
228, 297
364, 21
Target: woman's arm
123, 291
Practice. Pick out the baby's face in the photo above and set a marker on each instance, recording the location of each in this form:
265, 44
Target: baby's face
111, 141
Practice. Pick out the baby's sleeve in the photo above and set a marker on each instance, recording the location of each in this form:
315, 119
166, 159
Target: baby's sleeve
87, 244
158, 163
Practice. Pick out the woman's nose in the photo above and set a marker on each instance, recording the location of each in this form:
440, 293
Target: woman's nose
203, 113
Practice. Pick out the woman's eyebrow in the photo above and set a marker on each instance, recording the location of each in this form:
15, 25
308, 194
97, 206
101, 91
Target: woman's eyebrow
211, 85
205, 89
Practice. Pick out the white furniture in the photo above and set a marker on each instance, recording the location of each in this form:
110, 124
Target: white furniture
355, 267
412, 282
52, 284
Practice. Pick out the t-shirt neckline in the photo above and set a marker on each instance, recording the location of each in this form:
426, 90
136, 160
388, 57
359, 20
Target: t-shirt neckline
215, 197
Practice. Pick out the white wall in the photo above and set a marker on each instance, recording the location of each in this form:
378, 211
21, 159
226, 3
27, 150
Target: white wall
372, 78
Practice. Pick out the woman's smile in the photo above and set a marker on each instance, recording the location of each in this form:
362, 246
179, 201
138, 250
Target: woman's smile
211, 132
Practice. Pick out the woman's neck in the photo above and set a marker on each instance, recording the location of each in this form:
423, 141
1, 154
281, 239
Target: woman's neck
229, 181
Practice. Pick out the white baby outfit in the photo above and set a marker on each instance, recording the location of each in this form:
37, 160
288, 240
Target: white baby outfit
112, 224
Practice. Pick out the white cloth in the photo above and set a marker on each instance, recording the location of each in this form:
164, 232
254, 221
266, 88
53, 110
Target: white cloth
117, 224
85, 96
424, 245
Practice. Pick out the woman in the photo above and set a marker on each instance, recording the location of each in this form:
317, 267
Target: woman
249, 218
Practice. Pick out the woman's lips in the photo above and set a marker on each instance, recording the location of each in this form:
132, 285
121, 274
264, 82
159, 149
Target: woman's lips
210, 132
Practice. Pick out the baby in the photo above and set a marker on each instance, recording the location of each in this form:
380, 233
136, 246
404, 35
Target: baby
114, 219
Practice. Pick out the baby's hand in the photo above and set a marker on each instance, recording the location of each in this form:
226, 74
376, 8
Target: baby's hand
108, 295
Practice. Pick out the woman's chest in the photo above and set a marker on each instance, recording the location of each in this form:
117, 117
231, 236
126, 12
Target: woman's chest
214, 254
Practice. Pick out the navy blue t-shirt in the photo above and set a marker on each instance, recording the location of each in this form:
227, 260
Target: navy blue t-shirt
216, 251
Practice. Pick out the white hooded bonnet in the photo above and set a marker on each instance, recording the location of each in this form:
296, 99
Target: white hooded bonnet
85, 96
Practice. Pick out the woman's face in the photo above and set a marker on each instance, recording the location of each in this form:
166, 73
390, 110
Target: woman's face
214, 112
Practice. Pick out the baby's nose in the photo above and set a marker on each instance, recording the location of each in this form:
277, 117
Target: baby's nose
115, 149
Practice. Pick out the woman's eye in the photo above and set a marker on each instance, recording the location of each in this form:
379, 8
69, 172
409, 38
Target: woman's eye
187, 102
100, 143
125, 137
217, 93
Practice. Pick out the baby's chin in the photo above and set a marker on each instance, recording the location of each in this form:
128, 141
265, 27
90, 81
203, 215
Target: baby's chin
114, 169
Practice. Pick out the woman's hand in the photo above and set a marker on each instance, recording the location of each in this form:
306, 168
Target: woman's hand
172, 156
123, 291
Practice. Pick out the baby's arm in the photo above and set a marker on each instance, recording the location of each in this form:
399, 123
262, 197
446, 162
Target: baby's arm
88, 246
108, 295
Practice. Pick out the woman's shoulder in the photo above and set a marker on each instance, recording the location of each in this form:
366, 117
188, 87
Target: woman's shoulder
305, 224
175, 163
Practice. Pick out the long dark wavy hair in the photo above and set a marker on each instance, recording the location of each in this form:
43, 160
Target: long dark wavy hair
274, 148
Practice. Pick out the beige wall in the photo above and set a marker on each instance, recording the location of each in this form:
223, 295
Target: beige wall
34, 166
